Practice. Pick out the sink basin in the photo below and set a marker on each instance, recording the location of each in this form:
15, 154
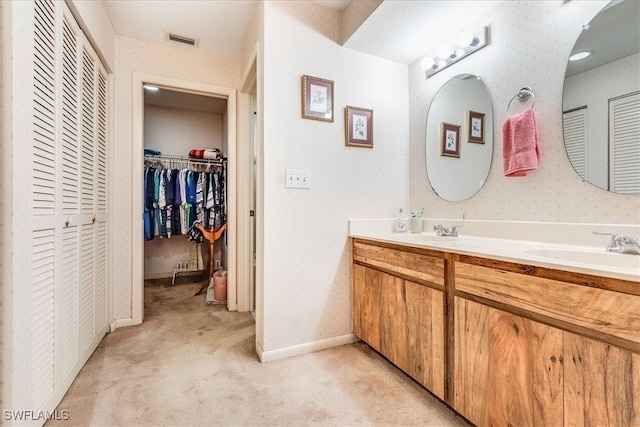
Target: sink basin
589, 257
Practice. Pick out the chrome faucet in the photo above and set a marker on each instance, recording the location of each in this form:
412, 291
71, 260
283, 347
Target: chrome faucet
621, 243
448, 232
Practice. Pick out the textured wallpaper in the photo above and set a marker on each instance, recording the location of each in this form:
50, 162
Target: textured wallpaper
307, 270
530, 45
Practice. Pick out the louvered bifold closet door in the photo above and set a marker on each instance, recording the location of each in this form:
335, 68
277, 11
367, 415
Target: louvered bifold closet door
68, 282
624, 147
574, 125
44, 233
70, 176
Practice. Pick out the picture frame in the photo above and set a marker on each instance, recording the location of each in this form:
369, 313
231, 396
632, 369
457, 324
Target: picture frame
358, 126
450, 135
475, 127
317, 98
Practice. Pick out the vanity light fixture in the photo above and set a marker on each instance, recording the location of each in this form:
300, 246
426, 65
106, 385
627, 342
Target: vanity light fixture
467, 43
151, 88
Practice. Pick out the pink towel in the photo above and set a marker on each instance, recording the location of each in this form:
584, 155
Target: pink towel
520, 144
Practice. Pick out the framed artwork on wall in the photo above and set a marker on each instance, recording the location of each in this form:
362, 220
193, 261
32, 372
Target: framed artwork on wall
450, 135
317, 98
358, 126
475, 127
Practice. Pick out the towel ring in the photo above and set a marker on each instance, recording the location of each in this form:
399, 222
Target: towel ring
523, 95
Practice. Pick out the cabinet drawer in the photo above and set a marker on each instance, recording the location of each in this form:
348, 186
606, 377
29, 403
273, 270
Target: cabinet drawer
421, 267
606, 315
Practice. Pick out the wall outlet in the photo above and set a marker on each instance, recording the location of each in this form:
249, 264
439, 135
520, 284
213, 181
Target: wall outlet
297, 178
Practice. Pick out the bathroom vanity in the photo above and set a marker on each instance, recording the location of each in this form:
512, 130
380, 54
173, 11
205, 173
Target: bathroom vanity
506, 332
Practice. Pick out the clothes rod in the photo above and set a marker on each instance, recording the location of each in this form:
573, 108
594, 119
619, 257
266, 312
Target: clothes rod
184, 159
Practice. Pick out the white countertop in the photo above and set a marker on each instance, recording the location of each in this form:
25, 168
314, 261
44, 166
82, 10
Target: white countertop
585, 259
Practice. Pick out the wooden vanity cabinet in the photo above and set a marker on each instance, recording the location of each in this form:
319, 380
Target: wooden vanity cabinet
503, 343
533, 350
398, 309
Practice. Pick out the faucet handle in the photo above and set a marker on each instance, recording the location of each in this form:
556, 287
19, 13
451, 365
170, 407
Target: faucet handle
453, 230
615, 241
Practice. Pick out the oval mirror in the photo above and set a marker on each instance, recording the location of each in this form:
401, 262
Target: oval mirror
601, 100
459, 138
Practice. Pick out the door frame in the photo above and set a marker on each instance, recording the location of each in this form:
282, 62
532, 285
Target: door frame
137, 282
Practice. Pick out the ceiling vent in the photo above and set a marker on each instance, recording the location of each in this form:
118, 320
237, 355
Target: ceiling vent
181, 39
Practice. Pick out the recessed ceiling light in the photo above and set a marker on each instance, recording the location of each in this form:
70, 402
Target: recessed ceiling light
578, 56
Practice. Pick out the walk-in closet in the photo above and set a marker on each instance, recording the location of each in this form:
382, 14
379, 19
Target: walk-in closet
185, 192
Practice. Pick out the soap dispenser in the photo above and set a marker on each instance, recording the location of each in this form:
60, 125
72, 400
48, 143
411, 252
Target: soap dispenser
401, 221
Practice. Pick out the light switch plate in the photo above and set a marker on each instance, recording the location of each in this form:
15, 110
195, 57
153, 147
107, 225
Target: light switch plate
297, 178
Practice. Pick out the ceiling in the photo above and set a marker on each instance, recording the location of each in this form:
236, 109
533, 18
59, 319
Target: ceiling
398, 30
612, 34
404, 30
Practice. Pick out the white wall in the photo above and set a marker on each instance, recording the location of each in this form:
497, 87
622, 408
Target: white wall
306, 254
594, 88
175, 131
174, 62
530, 45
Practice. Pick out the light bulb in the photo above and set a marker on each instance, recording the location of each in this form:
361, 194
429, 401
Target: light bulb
427, 63
465, 39
445, 52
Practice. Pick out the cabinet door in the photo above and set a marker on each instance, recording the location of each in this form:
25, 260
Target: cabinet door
404, 321
423, 332
601, 383
507, 369
367, 309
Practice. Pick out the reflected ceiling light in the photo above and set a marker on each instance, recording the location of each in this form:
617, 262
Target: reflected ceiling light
151, 88
449, 53
578, 56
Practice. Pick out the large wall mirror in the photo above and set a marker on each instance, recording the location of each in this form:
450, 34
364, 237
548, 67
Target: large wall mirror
459, 138
601, 100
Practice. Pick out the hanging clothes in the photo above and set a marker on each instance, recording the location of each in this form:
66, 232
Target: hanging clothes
175, 198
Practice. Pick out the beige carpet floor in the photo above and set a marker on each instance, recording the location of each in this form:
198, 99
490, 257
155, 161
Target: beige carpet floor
190, 364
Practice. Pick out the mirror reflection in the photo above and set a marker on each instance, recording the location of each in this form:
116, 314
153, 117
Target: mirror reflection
601, 100
459, 138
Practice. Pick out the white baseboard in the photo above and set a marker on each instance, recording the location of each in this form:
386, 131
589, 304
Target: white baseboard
310, 347
119, 323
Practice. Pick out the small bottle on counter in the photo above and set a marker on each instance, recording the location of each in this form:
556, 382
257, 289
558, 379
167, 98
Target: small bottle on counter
401, 221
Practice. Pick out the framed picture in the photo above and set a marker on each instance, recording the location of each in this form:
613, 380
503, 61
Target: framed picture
317, 98
358, 126
475, 122
450, 135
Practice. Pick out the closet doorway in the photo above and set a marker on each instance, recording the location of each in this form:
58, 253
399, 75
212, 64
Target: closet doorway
177, 93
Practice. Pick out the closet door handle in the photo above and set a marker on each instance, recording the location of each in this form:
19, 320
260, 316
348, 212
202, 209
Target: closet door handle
93, 220
67, 222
